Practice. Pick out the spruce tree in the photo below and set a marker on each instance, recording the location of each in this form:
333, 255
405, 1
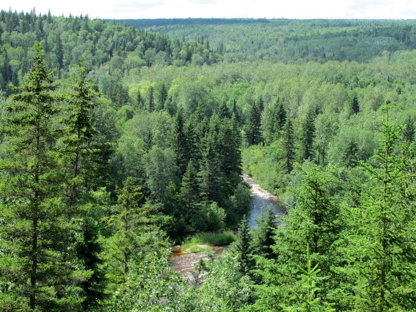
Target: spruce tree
180, 144
288, 146
355, 106
34, 225
273, 121
350, 155
190, 198
253, 133
263, 234
382, 239
150, 100
85, 161
305, 241
307, 136
134, 230
162, 96
210, 174
242, 248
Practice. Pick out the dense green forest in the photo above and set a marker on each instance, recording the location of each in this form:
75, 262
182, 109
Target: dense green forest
117, 143
289, 40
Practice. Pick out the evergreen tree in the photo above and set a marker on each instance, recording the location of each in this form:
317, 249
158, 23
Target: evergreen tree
190, 197
79, 148
139, 99
307, 136
211, 178
150, 100
288, 146
355, 106
134, 233
224, 112
273, 121
88, 251
229, 142
86, 164
350, 155
59, 51
382, 238
162, 96
34, 223
263, 234
180, 144
242, 248
196, 128
253, 133
310, 232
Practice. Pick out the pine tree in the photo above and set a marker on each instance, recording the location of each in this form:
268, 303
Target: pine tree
253, 133
303, 294
273, 121
180, 144
224, 112
307, 136
162, 96
59, 51
355, 106
34, 222
88, 252
288, 145
242, 248
350, 155
134, 233
382, 239
229, 142
78, 137
195, 129
263, 234
311, 227
211, 178
150, 100
189, 192
86, 163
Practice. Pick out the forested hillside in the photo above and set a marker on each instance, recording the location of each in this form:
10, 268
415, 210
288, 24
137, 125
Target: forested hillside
293, 40
117, 143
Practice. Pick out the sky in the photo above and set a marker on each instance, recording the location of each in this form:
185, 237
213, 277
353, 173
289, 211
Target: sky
302, 9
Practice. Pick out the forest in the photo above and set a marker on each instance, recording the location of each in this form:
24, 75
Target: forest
120, 139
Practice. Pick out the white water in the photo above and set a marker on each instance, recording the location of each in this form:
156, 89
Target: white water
261, 201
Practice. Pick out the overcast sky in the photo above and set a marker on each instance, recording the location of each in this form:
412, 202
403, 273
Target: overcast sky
131, 9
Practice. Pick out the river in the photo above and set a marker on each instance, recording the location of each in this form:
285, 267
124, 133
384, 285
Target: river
261, 201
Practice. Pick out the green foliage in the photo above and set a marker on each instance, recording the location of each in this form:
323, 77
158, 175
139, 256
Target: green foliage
307, 136
288, 40
134, 233
263, 235
381, 248
177, 132
252, 130
210, 238
34, 227
305, 293
243, 250
306, 240
150, 286
224, 287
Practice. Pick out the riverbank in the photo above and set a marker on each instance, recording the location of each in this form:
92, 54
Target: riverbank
261, 201
183, 257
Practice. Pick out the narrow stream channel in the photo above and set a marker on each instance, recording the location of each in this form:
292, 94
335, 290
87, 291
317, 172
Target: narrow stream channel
261, 201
